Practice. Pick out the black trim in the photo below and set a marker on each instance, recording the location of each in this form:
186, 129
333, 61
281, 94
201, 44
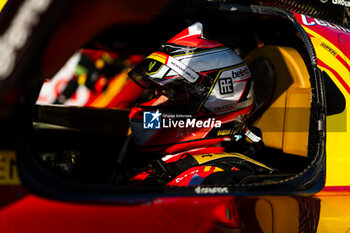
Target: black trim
334, 97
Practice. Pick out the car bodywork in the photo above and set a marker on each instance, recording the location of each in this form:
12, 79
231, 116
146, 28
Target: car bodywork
323, 34
251, 209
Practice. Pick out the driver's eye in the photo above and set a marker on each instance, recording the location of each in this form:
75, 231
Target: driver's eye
160, 91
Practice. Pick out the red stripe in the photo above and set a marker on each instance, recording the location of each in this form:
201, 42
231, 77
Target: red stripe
342, 61
336, 189
340, 79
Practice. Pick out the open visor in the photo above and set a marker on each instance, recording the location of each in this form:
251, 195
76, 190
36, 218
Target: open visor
159, 65
174, 82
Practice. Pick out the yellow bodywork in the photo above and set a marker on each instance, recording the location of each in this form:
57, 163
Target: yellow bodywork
272, 216
334, 206
338, 133
2, 4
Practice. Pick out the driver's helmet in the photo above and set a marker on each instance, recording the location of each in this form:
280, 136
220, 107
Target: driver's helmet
193, 79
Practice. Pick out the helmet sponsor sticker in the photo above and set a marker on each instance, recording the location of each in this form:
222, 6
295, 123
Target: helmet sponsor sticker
230, 82
229, 88
176, 65
225, 86
151, 65
241, 72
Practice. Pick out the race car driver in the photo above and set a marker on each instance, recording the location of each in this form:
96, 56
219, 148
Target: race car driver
193, 125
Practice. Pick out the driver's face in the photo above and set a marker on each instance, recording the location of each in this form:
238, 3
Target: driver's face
162, 100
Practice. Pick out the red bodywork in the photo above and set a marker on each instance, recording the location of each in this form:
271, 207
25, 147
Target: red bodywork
185, 214
24, 212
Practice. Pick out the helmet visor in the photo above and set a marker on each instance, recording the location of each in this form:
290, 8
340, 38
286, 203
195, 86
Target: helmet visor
148, 73
153, 74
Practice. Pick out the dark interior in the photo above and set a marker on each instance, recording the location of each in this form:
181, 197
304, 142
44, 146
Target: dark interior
88, 156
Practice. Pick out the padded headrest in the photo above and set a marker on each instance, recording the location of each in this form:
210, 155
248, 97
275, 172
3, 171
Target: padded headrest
264, 77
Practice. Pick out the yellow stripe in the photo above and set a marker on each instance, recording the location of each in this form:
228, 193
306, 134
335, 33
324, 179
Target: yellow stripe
81, 79
113, 89
207, 168
158, 57
210, 157
2, 4
217, 169
317, 40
